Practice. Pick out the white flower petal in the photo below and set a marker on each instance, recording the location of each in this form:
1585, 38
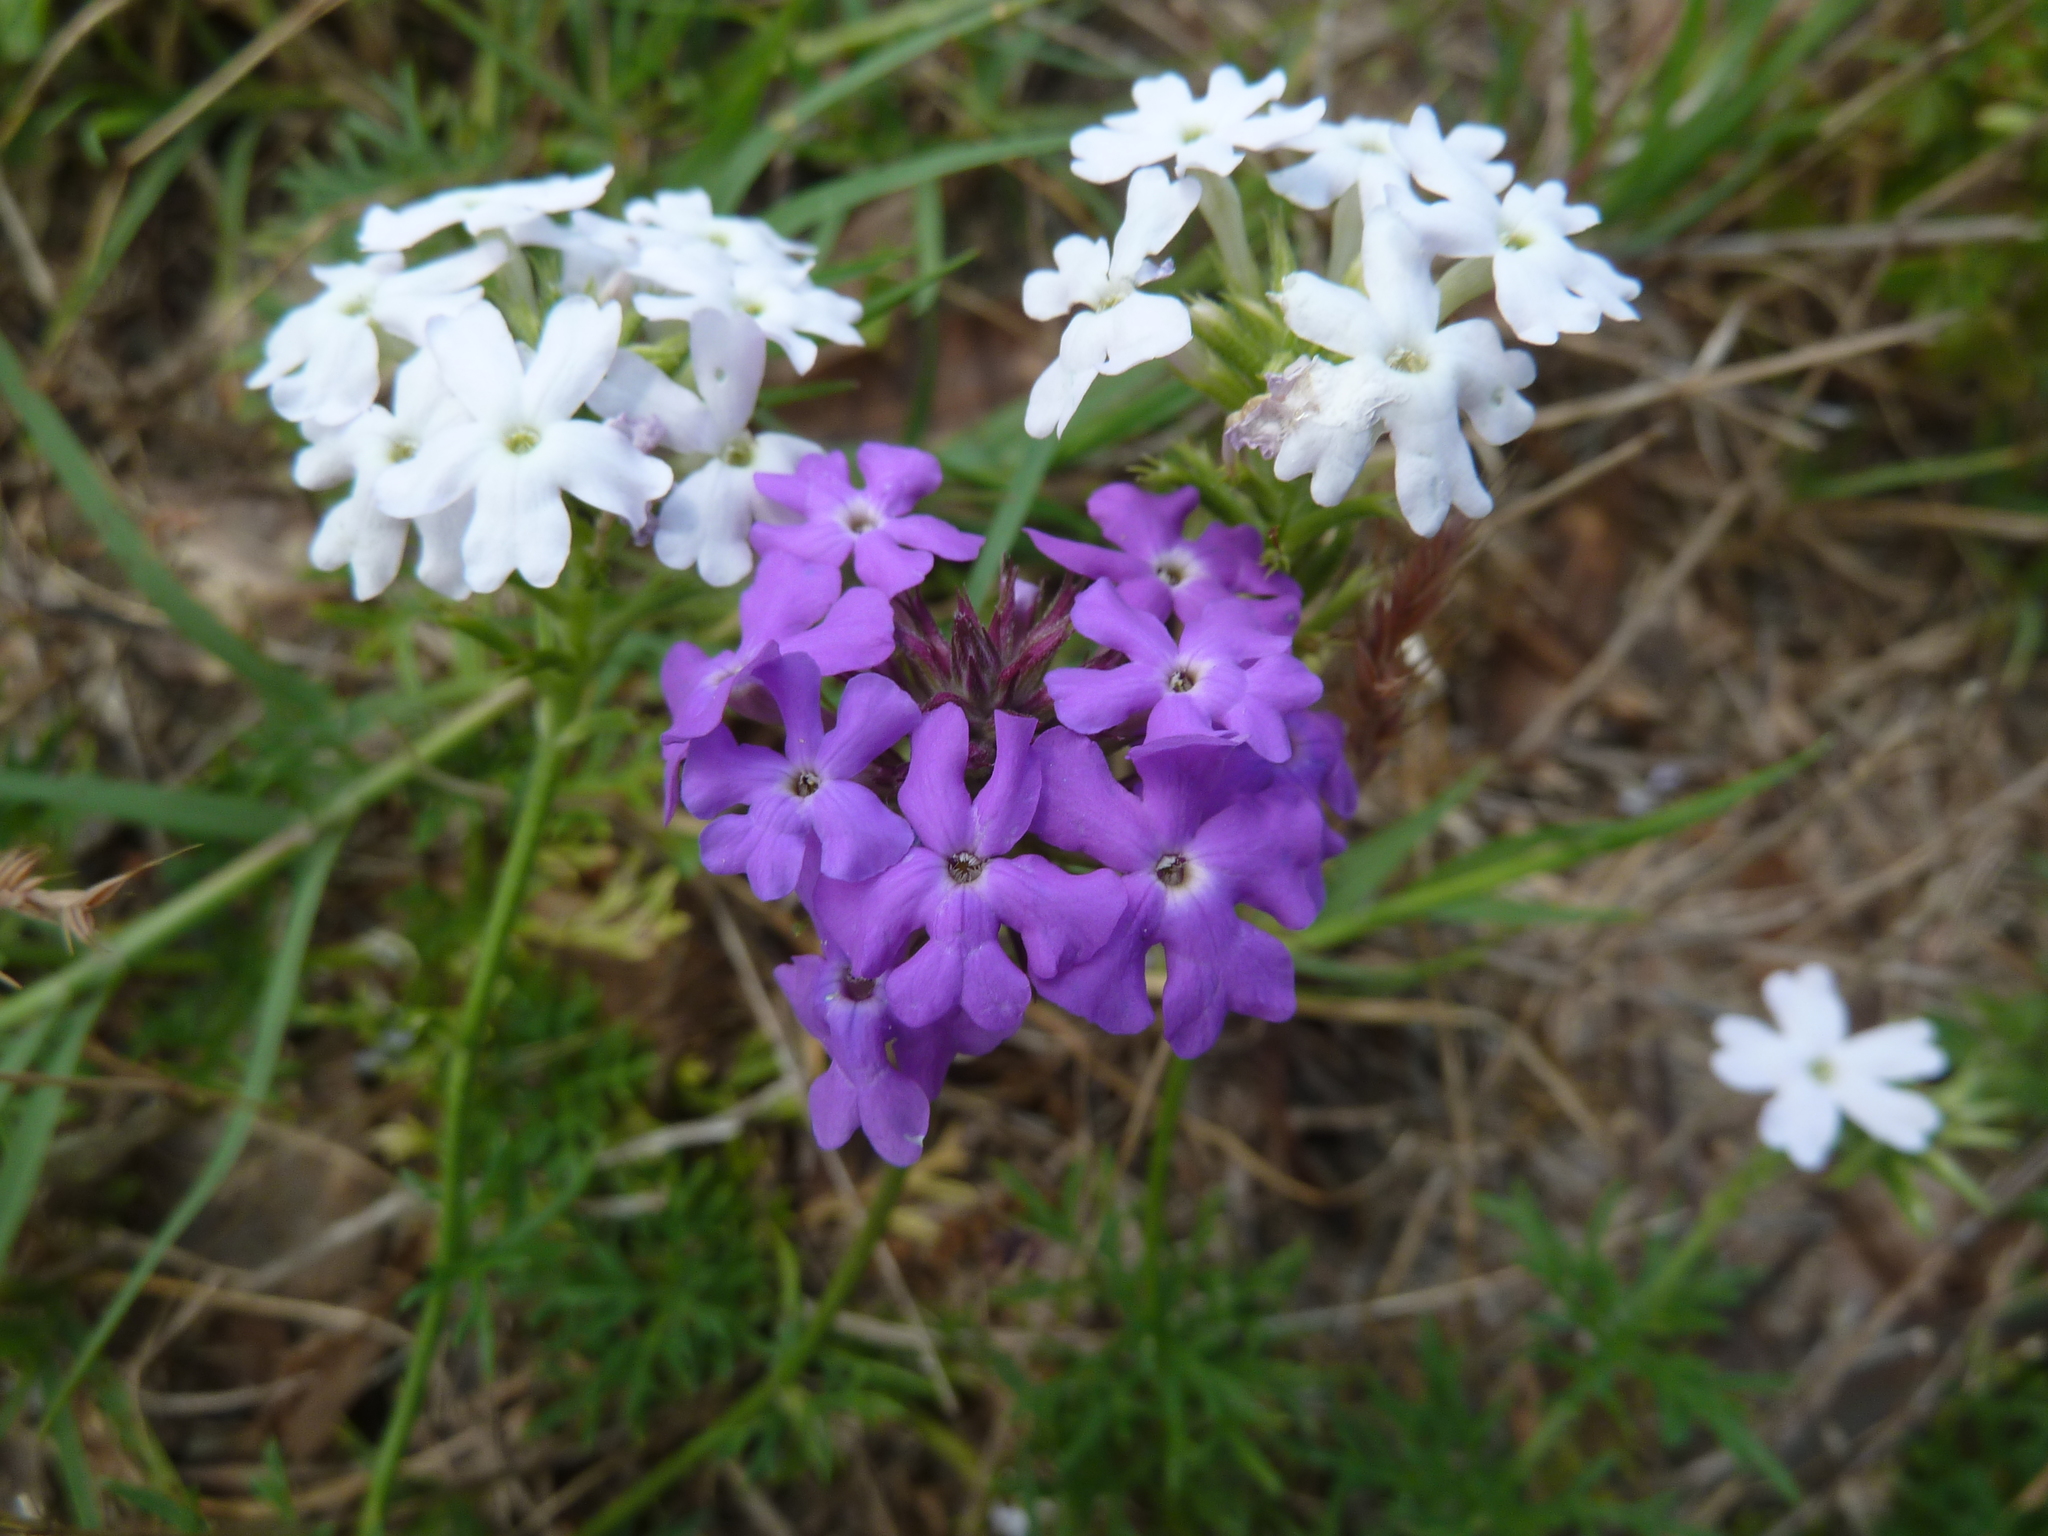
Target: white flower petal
446, 467
704, 523
1897, 1117
1894, 1053
1333, 316
1155, 208
1143, 327
596, 464
634, 389
355, 534
1397, 276
729, 356
480, 364
1753, 1057
577, 344
479, 209
1055, 397
1802, 1121
520, 524
440, 564
1808, 1007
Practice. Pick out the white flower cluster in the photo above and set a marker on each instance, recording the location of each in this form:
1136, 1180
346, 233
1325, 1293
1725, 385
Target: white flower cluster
483, 434
1404, 196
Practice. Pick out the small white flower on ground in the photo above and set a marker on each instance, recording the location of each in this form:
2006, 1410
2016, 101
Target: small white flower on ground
479, 209
781, 299
320, 363
1543, 283
355, 532
1358, 152
519, 448
1207, 133
1407, 378
1119, 327
706, 518
1816, 1071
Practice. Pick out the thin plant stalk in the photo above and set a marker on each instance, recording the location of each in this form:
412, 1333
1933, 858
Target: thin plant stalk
724, 1434
118, 950
274, 1011
507, 897
1347, 236
1158, 1173
1224, 211
1461, 283
28, 1138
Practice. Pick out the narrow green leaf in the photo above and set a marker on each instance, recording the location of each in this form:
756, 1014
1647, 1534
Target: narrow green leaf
187, 812
100, 505
151, 182
161, 1506
806, 210
75, 1472
521, 63
1008, 520
1585, 82
28, 1138
1500, 912
1930, 471
1360, 872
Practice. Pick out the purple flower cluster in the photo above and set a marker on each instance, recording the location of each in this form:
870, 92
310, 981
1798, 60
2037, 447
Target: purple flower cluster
968, 824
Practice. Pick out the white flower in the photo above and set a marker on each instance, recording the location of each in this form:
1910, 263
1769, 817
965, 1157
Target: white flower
1452, 164
1316, 418
519, 450
1119, 327
686, 218
479, 209
704, 521
595, 250
1358, 152
1543, 283
1816, 1071
320, 363
1210, 133
782, 300
1409, 378
355, 533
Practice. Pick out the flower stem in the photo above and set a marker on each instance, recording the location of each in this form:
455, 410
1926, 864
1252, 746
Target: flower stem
1462, 283
1224, 210
99, 965
1347, 236
1158, 1169
723, 1435
453, 1227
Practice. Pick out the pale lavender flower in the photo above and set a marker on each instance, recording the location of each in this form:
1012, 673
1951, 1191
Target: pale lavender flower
892, 546
961, 889
1206, 834
806, 812
1227, 676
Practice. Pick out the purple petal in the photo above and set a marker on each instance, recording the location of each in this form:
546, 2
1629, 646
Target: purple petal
1082, 808
858, 632
761, 845
874, 714
1260, 727
885, 565
1104, 617
1267, 849
934, 795
869, 920
1318, 760
1188, 782
1284, 682
1089, 559
920, 530
858, 836
823, 542
895, 1116
926, 987
721, 772
1088, 701
1108, 988
922, 1055
993, 992
1140, 522
793, 682
820, 485
835, 1108
1007, 802
1231, 631
1261, 976
1181, 717
798, 979
787, 595
898, 478
1062, 918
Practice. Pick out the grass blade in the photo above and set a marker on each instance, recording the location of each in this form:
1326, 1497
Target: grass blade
100, 505
148, 190
28, 1139
1010, 512
187, 812
273, 1012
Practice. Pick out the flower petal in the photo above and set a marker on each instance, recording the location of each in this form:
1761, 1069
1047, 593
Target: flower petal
1801, 1120
1894, 1053
1808, 1007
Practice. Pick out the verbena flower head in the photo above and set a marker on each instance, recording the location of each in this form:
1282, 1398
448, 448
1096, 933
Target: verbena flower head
479, 210
320, 364
1205, 834
1211, 132
518, 448
1356, 153
688, 219
1816, 1071
1406, 377
892, 546
778, 296
1119, 327
807, 812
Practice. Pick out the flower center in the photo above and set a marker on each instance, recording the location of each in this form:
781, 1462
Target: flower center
856, 989
1182, 678
740, 451
964, 868
754, 307
805, 783
522, 440
403, 448
1173, 569
860, 517
1172, 870
357, 307
1408, 360
1823, 1070
1517, 240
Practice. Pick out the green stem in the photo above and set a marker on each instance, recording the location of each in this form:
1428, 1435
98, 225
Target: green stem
1010, 513
1224, 210
28, 1138
723, 1435
273, 1013
98, 966
1158, 1173
1347, 236
1462, 283
453, 1230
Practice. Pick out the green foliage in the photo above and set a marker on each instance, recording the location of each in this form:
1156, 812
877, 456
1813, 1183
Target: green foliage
1965, 1474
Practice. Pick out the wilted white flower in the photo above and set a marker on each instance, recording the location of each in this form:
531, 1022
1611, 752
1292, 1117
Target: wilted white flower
1358, 152
519, 450
320, 363
1406, 377
1119, 327
1816, 1071
479, 209
1543, 283
1206, 133
780, 298
1316, 418
705, 520
355, 532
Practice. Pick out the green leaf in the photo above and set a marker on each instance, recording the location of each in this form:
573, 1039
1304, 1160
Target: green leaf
151, 183
178, 1516
829, 200
1008, 520
1499, 911
187, 812
28, 1137
1359, 873
100, 505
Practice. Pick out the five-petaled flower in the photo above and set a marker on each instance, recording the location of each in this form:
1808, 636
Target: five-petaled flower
892, 546
480, 210
1816, 1071
1209, 133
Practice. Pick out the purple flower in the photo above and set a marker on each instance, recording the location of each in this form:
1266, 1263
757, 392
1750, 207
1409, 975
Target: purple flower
892, 546
1210, 830
961, 890
1159, 572
1318, 765
1225, 677
791, 606
805, 813
884, 1075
